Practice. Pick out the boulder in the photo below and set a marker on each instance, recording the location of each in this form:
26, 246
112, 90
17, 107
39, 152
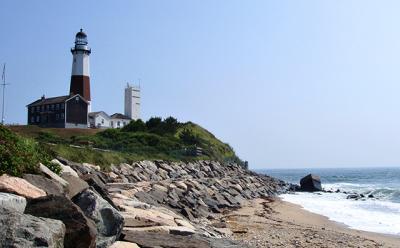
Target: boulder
135, 217
182, 222
355, 196
92, 166
96, 182
12, 202
46, 171
19, 186
75, 184
65, 169
123, 244
175, 230
108, 220
310, 183
80, 231
154, 239
181, 185
51, 187
146, 197
22, 230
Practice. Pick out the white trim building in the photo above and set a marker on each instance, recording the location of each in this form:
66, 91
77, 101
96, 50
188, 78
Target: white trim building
102, 120
99, 120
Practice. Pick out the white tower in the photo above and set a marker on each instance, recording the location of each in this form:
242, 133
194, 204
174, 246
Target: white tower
132, 101
80, 76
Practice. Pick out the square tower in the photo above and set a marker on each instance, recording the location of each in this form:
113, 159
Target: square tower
132, 101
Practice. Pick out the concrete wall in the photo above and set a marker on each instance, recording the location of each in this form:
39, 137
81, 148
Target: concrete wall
132, 102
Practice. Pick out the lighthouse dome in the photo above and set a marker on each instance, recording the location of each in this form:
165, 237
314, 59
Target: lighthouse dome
81, 38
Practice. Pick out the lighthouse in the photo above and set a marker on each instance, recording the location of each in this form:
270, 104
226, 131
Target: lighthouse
80, 76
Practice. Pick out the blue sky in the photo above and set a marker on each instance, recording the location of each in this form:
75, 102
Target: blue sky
286, 83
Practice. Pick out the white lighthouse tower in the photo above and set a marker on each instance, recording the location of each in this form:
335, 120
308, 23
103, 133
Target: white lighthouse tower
132, 101
80, 76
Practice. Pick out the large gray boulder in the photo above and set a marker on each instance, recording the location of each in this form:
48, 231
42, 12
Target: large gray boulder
310, 183
12, 202
80, 231
108, 220
19, 230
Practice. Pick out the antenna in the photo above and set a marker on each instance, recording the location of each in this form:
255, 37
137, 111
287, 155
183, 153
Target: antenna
3, 77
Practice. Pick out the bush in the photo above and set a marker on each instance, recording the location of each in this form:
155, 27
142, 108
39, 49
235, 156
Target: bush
55, 167
189, 138
20, 155
135, 126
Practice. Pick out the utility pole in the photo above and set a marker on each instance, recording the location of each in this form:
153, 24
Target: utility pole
3, 77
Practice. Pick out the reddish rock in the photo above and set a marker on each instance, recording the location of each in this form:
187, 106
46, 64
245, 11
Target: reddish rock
19, 186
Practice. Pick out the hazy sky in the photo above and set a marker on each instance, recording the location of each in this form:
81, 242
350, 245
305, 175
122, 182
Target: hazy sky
286, 83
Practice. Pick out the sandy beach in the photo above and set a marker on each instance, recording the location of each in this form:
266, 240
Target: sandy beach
272, 222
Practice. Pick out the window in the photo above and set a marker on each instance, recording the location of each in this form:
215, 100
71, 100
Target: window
32, 119
112, 124
62, 105
62, 116
102, 121
37, 118
47, 107
42, 108
32, 109
77, 98
57, 117
52, 107
57, 106
118, 123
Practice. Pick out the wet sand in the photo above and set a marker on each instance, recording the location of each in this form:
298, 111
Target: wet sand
272, 222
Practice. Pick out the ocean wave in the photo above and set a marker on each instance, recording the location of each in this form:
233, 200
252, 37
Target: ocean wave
378, 191
369, 215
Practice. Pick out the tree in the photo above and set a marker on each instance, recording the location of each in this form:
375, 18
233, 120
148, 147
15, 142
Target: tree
135, 126
170, 125
153, 124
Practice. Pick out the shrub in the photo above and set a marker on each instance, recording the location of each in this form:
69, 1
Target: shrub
189, 138
20, 155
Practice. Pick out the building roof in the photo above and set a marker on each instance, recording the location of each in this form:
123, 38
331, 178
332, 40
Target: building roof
92, 114
76, 95
50, 100
120, 116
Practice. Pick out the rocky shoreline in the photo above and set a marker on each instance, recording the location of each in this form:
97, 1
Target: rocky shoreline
144, 204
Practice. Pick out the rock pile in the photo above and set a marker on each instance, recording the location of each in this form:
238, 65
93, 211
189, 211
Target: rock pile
144, 204
192, 189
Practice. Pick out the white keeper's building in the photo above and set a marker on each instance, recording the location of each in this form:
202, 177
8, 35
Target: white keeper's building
101, 119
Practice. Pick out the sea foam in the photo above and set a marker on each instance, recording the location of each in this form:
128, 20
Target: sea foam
368, 215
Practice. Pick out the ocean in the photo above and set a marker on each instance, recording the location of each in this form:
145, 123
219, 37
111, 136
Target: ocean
380, 214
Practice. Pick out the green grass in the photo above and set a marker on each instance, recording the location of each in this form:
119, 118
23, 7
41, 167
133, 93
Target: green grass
156, 139
212, 146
